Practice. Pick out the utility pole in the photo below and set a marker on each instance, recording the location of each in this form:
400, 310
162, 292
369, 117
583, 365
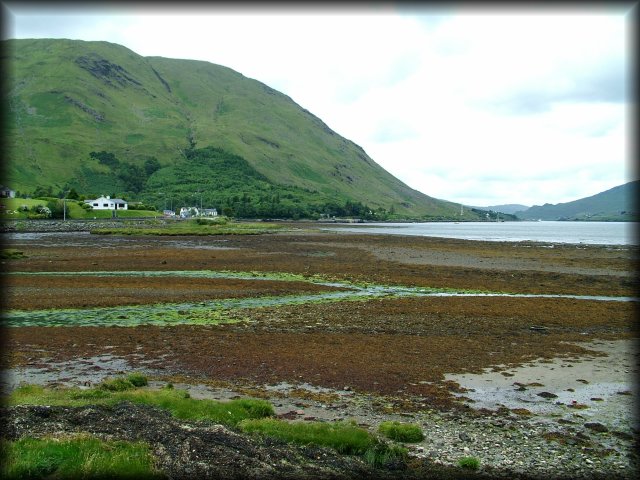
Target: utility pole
64, 206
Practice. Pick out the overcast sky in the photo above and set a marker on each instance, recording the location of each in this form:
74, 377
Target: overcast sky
481, 106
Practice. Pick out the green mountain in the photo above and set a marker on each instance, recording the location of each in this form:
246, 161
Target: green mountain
510, 208
615, 204
98, 118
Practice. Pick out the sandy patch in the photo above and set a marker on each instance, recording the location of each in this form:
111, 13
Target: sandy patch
600, 388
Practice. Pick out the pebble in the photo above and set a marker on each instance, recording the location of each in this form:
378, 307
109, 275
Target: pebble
519, 446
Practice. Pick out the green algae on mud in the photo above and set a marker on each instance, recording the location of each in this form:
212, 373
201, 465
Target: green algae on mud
252, 275
214, 312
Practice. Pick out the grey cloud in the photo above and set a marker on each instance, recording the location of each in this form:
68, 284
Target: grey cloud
606, 84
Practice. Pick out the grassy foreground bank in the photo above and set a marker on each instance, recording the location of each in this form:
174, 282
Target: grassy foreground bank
81, 456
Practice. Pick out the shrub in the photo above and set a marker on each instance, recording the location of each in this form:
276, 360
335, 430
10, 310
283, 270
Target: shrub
39, 211
138, 380
383, 455
119, 384
401, 432
469, 463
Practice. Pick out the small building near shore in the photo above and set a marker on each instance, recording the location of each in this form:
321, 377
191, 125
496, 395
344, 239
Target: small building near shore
209, 212
6, 192
108, 203
188, 212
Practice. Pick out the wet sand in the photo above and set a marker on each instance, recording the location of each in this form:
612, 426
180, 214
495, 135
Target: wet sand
600, 388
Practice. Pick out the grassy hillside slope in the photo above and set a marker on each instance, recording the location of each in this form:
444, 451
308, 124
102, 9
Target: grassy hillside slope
68, 98
617, 203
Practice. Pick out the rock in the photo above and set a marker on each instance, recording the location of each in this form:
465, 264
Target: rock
547, 395
622, 435
539, 328
464, 436
596, 427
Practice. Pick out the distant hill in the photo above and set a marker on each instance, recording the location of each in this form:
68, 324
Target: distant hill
615, 204
508, 208
101, 119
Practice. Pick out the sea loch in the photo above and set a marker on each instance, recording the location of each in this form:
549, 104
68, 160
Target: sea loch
590, 233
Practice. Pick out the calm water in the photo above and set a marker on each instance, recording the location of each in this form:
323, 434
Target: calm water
592, 233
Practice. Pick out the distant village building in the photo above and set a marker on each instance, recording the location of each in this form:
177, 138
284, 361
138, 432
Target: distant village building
107, 203
6, 192
169, 213
209, 212
186, 212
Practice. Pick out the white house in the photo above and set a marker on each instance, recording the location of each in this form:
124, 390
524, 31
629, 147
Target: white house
186, 212
6, 192
209, 212
107, 203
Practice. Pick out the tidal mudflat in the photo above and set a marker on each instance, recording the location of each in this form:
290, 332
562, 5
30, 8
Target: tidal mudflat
335, 353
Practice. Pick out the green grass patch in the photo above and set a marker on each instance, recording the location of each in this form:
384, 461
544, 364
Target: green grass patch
401, 432
195, 227
19, 209
469, 463
11, 253
120, 384
80, 457
344, 437
138, 380
176, 401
